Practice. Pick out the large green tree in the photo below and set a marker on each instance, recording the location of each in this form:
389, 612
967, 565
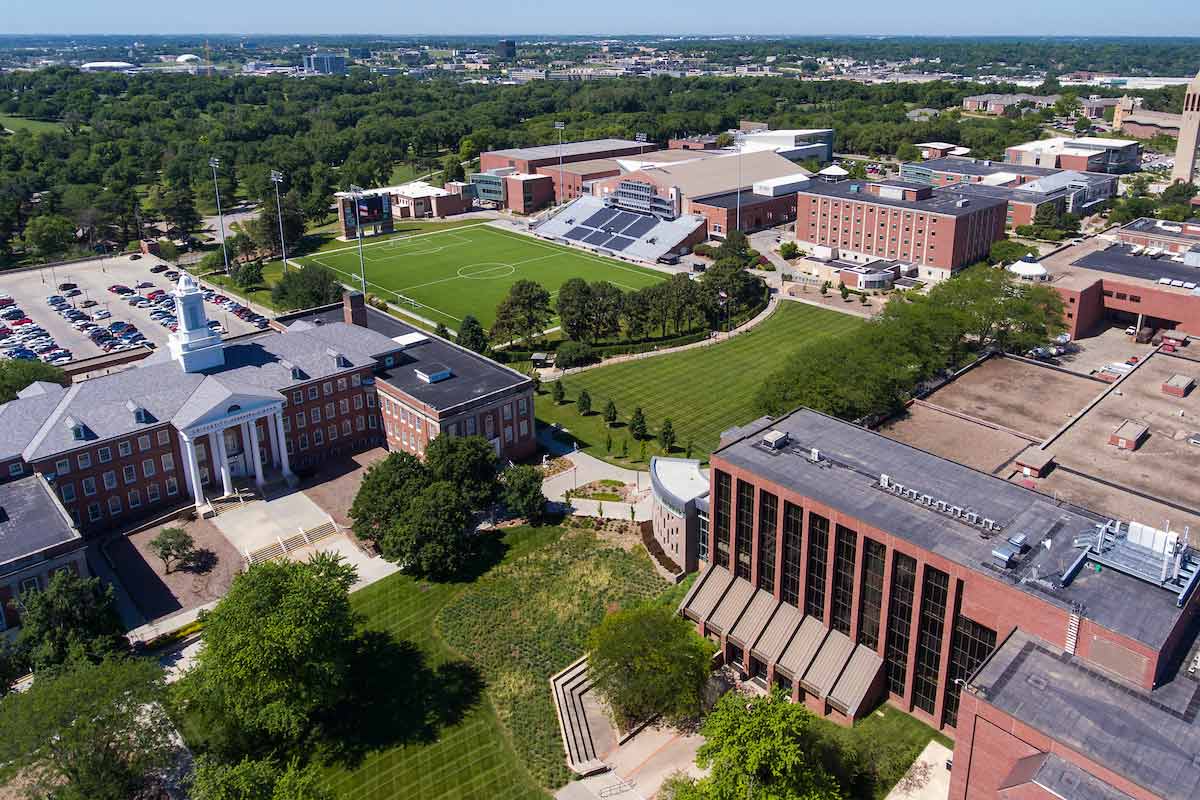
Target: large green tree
522, 492
49, 236
265, 229
431, 537
251, 779
523, 314
384, 493
17, 373
277, 650
73, 618
647, 661
471, 335
89, 731
308, 287
467, 462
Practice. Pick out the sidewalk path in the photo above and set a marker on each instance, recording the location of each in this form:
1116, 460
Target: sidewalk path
588, 468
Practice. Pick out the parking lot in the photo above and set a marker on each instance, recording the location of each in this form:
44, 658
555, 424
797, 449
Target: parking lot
30, 289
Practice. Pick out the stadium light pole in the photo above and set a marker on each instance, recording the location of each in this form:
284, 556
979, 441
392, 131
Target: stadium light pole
277, 178
355, 193
214, 163
560, 126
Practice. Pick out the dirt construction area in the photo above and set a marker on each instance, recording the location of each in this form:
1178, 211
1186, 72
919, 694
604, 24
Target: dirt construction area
1018, 395
976, 445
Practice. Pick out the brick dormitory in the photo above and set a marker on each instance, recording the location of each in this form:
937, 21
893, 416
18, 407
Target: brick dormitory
196, 418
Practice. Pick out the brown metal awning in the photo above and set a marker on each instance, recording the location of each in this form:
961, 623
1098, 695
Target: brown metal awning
851, 689
827, 667
804, 646
778, 633
745, 633
706, 593
731, 607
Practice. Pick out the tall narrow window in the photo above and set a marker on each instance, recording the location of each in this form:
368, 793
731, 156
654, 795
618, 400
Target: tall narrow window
900, 608
972, 643
929, 638
768, 509
793, 536
744, 529
844, 546
871, 602
721, 518
818, 556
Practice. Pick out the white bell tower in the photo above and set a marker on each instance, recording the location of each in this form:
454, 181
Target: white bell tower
194, 345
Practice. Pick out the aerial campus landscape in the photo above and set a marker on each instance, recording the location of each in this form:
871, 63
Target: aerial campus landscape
435, 410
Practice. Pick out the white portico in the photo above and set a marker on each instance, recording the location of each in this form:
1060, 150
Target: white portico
242, 423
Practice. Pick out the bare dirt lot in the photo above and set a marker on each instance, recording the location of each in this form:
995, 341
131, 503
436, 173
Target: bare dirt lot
1162, 466
158, 594
1017, 395
979, 446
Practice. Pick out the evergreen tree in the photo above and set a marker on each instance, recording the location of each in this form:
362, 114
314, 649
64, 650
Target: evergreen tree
610, 413
637, 424
584, 403
666, 436
558, 393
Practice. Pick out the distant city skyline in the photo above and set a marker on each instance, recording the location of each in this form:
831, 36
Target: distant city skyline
618, 17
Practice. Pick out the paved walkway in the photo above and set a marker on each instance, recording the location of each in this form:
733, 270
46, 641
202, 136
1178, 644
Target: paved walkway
935, 755
587, 469
553, 373
639, 766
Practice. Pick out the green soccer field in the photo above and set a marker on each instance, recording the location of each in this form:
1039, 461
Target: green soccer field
446, 275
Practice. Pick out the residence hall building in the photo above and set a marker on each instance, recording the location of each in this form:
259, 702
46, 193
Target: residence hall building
845, 568
204, 413
1082, 154
940, 230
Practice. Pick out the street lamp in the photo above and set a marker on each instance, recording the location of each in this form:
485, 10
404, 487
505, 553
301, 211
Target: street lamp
214, 163
277, 178
560, 126
355, 193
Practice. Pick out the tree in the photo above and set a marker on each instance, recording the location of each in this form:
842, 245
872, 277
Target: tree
265, 229
384, 493
1082, 124
637, 424
178, 208
89, 731
49, 236
1007, 251
257, 780
688, 449
573, 354
584, 403
610, 413
277, 649
907, 151
761, 746
442, 331
468, 463
18, 373
666, 436
430, 539
73, 618
724, 139
248, 275
558, 393
471, 335
523, 314
452, 169
522, 492
624, 448
844, 290
173, 546
789, 250
13, 664
308, 287
646, 661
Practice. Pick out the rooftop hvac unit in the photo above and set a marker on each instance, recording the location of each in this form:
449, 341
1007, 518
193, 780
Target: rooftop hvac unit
942, 506
883, 481
972, 517
775, 439
814, 454
1003, 556
1019, 541
898, 488
989, 524
962, 203
956, 511
926, 500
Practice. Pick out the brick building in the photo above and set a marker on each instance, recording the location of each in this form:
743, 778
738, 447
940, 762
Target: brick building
847, 568
1082, 154
378, 209
199, 416
570, 180
938, 230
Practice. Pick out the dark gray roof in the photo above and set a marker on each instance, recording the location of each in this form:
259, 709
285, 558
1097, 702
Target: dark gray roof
728, 200
1120, 260
1062, 779
21, 419
1151, 226
981, 168
847, 478
942, 201
32, 519
569, 149
1149, 738
473, 375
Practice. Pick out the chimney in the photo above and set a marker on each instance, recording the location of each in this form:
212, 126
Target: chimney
354, 309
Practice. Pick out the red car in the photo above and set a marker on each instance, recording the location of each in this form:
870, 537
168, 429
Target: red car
5, 302
17, 323
157, 293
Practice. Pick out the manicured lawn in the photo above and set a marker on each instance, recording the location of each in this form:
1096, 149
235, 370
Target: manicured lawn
891, 736
703, 391
260, 293
472, 759
529, 618
26, 124
446, 275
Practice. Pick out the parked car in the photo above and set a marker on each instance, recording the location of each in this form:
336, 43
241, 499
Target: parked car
62, 287
171, 274
73, 292
159, 268
135, 256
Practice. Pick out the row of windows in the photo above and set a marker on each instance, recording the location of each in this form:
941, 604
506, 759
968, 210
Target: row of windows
743, 530
721, 518
116, 507
818, 555
314, 392
845, 544
934, 589
361, 423
129, 474
104, 454
768, 507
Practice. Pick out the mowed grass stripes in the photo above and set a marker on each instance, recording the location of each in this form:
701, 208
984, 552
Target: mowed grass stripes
446, 275
703, 391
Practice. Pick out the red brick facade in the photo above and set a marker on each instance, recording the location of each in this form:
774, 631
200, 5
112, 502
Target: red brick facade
526, 195
757, 213
568, 185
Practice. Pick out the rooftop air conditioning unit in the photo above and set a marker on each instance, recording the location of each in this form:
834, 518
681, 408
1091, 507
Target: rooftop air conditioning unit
775, 439
942, 506
1019, 541
972, 517
814, 454
1003, 556
883, 481
926, 500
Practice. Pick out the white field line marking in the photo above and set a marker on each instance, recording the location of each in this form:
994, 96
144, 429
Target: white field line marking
464, 277
565, 250
403, 238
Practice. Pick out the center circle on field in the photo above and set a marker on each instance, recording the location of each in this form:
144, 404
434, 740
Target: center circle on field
486, 271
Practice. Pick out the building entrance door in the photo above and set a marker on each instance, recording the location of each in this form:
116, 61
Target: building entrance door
237, 465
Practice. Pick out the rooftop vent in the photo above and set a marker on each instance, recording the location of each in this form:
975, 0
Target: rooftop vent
962, 202
1018, 540
775, 439
1003, 556
432, 373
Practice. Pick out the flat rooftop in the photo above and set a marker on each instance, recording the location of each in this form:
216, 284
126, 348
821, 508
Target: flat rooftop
982, 168
587, 167
1148, 737
1158, 227
1121, 260
847, 477
943, 201
32, 520
474, 376
567, 149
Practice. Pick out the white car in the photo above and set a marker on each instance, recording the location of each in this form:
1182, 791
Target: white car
101, 314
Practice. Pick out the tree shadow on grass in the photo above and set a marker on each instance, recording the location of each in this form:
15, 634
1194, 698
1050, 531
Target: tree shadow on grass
397, 698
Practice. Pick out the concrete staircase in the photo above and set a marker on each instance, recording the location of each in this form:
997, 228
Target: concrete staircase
568, 688
1072, 634
283, 546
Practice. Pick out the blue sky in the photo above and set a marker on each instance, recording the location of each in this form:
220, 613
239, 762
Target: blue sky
400, 17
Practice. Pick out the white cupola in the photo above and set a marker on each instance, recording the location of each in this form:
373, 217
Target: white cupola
194, 345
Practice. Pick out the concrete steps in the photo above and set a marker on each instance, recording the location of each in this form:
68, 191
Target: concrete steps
568, 688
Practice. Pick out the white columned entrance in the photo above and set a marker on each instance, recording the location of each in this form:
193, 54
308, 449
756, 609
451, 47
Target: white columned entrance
277, 421
257, 456
273, 438
223, 461
192, 469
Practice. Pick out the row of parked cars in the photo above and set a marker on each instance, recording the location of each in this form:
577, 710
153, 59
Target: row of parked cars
111, 337
22, 338
237, 309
